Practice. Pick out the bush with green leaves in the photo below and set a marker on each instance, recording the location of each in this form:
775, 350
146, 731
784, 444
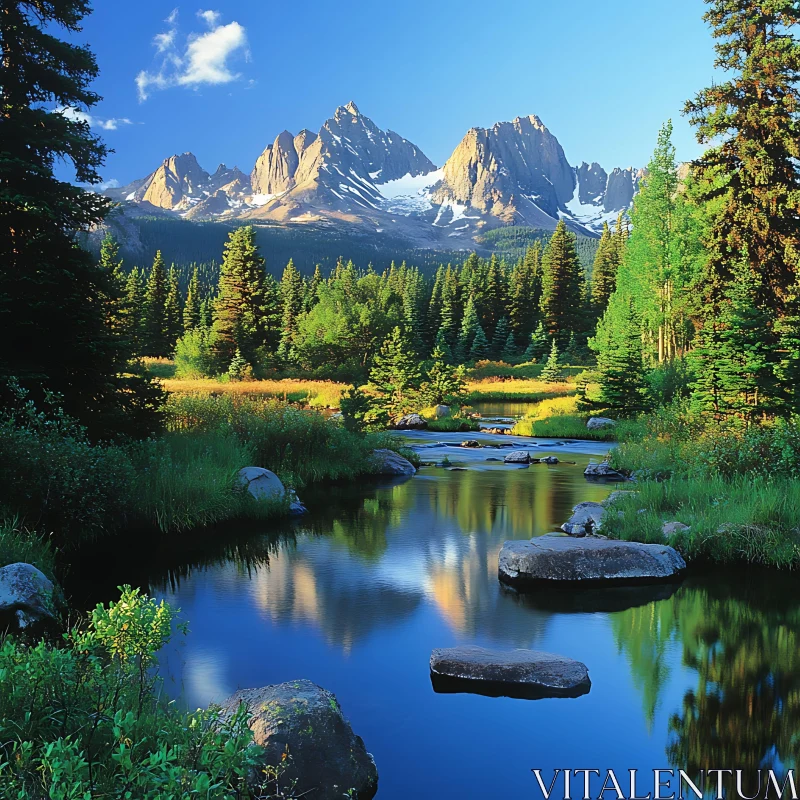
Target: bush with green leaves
194, 354
87, 719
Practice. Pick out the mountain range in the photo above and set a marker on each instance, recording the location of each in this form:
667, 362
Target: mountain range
353, 173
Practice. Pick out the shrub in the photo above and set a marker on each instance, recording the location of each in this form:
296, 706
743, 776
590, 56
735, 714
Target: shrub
87, 719
194, 354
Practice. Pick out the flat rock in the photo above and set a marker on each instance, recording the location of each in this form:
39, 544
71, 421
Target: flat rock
586, 519
512, 673
387, 462
518, 457
305, 722
549, 460
563, 559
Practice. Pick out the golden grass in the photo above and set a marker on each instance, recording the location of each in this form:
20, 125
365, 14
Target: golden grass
530, 389
313, 393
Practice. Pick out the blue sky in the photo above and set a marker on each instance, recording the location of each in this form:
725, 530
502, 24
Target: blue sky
223, 80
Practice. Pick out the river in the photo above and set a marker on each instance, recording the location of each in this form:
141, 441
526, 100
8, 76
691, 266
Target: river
355, 596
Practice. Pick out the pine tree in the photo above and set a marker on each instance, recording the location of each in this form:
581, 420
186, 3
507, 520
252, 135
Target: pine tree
114, 297
443, 384
207, 312
292, 291
155, 332
509, 351
413, 296
525, 291
52, 292
604, 270
240, 309
192, 307
494, 297
442, 345
312, 288
562, 283
469, 328
396, 375
749, 174
538, 344
172, 309
480, 345
501, 334
134, 310
451, 308
239, 369
788, 369
620, 366
551, 372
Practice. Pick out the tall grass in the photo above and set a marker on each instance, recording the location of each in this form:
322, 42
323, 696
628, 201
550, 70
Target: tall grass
318, 394
559, 418
19, 544
300, 446
743, 519
493, 389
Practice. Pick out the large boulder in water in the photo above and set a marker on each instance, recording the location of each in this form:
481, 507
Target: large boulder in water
410, 422
514, 673
586, 519
27, 597
549, 560
518, 457
301, 727
387, 462
263, 484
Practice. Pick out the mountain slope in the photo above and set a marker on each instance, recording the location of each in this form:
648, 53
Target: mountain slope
352, 172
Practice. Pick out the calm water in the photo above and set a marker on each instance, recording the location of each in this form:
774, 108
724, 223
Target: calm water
355, 597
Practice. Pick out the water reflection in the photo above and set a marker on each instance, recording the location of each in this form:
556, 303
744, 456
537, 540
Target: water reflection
740, 635
355, 597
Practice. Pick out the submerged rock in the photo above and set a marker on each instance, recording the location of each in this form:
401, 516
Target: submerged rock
586, 519
598, 423
511, 673
410, 422
387, 462
27, 597
549, 460
518, 457
301, 720
559, 559
263, 484
471, 443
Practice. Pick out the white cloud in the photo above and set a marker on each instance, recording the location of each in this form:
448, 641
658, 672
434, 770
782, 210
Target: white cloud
110, 184
81, 116
211, 18
204, 58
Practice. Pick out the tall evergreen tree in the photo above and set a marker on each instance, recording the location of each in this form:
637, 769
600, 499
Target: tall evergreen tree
480, 345
750, 173
562, 285
451, 307
620, 365
312, 289
292, 289
525, 291
501, 334
114, 297
173, 310
469, 328
537, 348
443, 383
134, 310
192, 307
52, 309
240, 309
155, 332
604, 270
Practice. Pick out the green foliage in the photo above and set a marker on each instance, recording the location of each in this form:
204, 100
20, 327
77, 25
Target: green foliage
443, 384
192, 307
242, 308
552, 371
396, 375
156, 324
562, 285
537, 348
620, 367
87, 719
59, 331
194, 354
239, 369
355, 407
